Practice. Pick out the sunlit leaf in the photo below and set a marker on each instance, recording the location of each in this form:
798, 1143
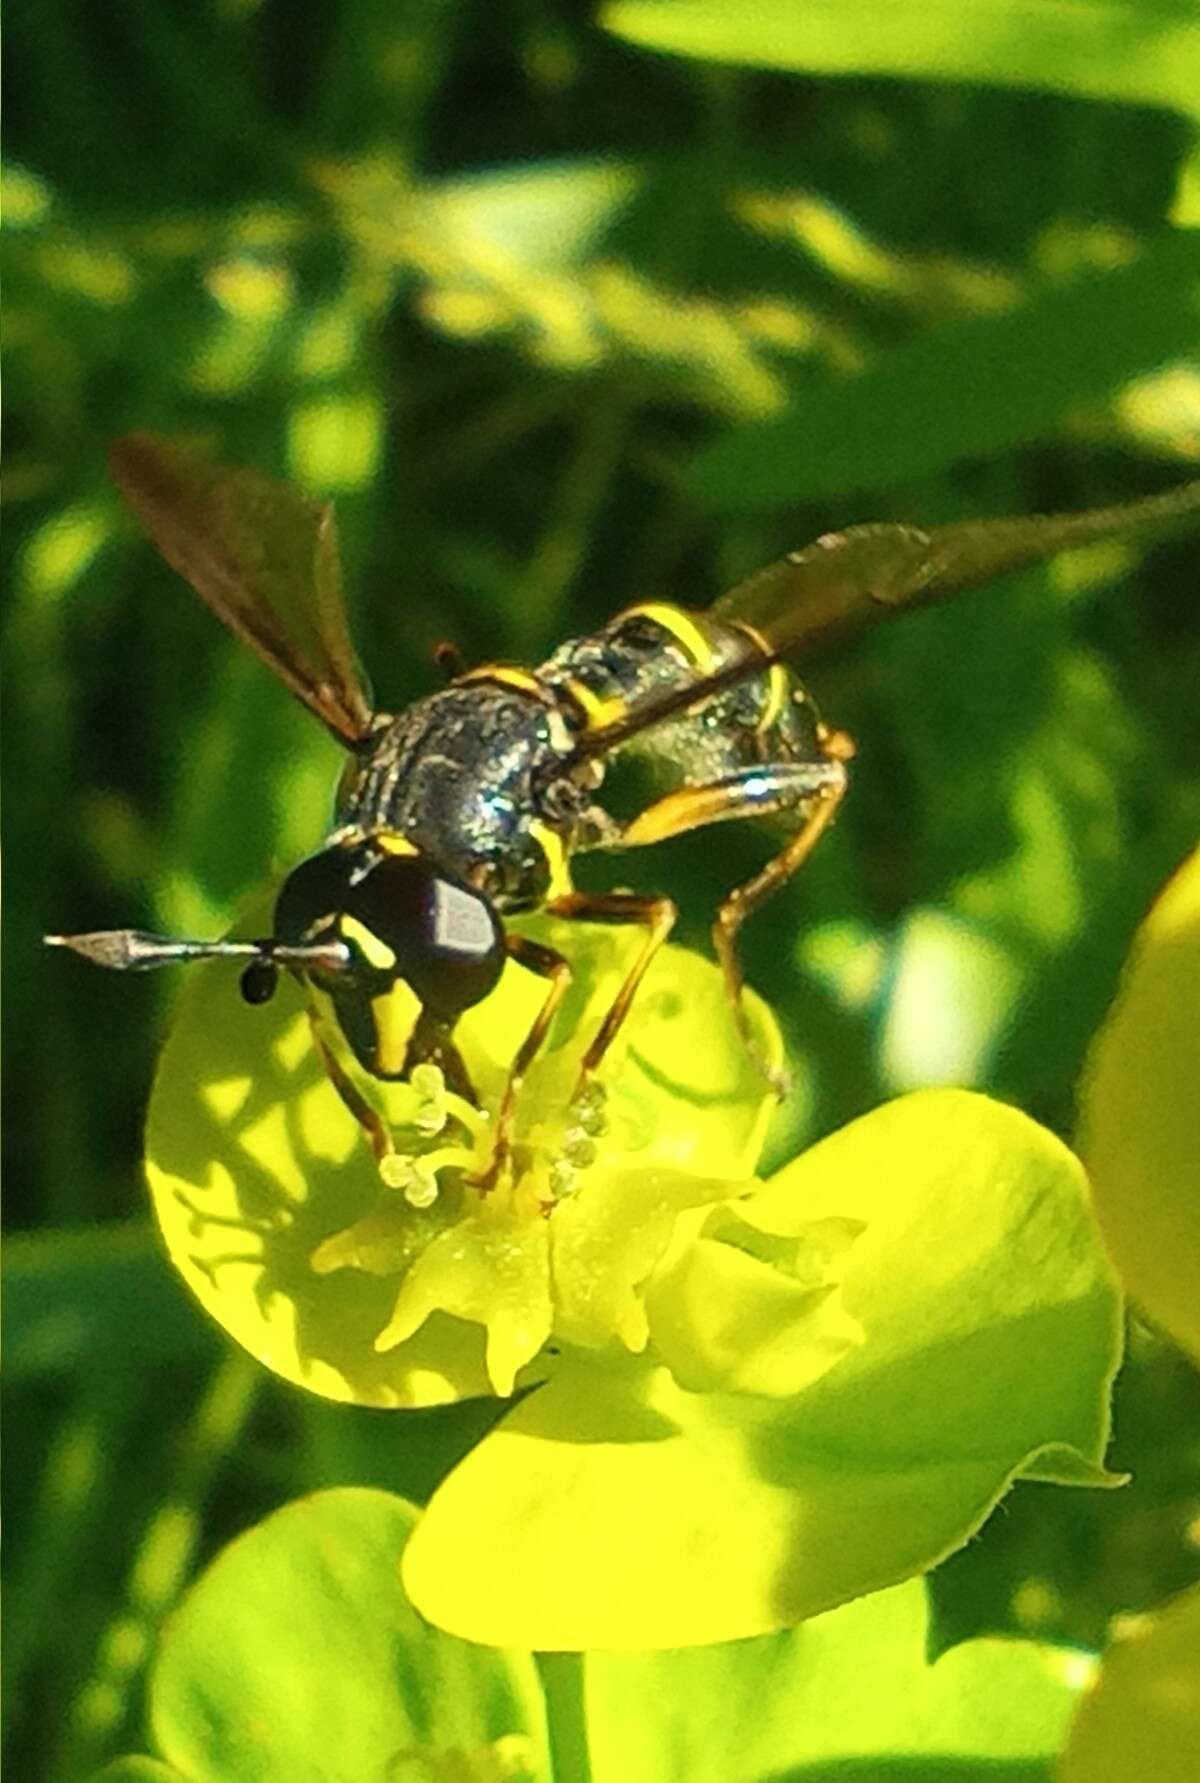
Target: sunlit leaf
951, 987
524, 254
1141, 53
296, 1657
853, 1688
548, 214
965, 387
1141, 1114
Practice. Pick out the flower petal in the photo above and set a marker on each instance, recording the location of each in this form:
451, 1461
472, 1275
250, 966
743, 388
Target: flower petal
492, 1268
607, 1240
726, 1320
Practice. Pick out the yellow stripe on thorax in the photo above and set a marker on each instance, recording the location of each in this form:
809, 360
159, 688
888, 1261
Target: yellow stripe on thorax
507, 675
687, 632
554, 848
599, 709
392, 843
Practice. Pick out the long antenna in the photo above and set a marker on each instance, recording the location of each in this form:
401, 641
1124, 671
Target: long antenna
133, 950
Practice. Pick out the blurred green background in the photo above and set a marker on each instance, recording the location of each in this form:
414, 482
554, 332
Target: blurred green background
562, 319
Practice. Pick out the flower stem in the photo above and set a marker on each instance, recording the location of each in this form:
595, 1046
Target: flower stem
566, 1716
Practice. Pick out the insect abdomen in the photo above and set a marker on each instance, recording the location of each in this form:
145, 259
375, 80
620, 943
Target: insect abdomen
657, 647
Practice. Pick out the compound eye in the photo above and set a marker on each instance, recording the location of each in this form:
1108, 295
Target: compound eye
445, 936
259, 980
313, 894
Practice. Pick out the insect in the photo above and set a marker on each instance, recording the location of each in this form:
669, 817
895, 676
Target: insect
470, 805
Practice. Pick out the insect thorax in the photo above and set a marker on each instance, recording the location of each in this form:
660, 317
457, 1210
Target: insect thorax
463, 774
479, 776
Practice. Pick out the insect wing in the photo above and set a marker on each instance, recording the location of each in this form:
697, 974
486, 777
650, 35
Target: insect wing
848, 579
263, 558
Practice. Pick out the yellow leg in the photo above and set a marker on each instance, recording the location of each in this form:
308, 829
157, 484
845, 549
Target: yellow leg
548, 964
815, 788
657, 915
743, 901
373, 1125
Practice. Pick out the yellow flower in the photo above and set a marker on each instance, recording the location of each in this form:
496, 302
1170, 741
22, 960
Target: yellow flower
754, 1399
413, 1287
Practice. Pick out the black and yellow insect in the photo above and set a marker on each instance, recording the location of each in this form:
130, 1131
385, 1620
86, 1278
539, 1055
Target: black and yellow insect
470, 805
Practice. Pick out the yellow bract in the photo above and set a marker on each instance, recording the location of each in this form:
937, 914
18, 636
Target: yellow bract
844, 1369
1141, 1114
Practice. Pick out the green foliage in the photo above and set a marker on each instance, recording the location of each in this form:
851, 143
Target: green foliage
561, 322
1103, 49
1021, 371
232, 1690
224, 1697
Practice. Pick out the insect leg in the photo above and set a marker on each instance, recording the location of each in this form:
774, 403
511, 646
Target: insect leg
820, 810
547, 963
657, 914
373, 1125
431, 1044
758, 791
815, 788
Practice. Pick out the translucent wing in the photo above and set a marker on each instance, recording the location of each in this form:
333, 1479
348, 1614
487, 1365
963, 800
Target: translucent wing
846, 580
263, 558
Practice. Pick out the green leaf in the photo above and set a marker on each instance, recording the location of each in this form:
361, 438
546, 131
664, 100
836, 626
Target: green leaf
99, 1299
296, 1657
973, 385
992, 1331
1133, 51
1141, 1118
853, 1685
546, 256
1143, 1717
549, 215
